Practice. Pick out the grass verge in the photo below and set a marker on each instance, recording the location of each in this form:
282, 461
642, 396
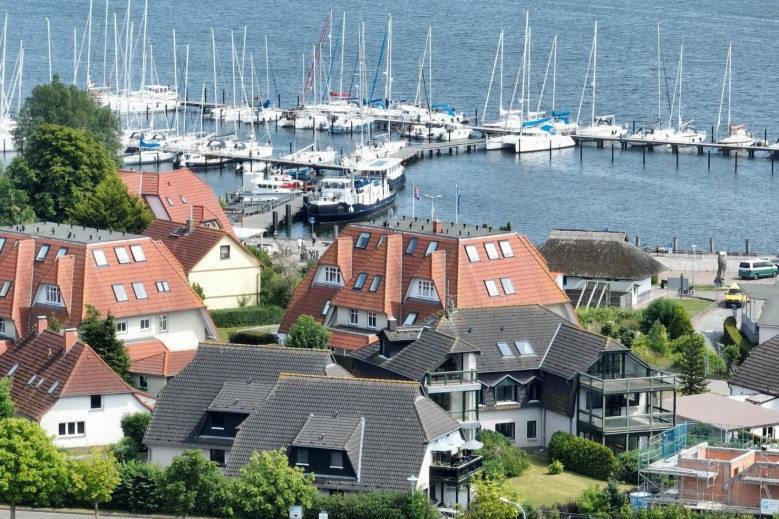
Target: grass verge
224, 333
692, 305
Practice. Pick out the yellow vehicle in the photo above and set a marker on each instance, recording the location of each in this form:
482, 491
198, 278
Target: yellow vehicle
735, 297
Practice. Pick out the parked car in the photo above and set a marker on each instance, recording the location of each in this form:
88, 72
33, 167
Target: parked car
735, 296
757, 268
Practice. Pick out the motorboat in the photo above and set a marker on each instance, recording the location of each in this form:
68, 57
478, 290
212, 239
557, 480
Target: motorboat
384, 168
347, 198
541, 137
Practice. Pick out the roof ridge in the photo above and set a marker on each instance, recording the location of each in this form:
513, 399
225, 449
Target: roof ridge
284, 375
215, 345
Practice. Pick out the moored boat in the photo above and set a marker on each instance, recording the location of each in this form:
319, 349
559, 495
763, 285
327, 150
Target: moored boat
347, 198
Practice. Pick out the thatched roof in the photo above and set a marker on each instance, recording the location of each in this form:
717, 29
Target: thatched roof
597, 254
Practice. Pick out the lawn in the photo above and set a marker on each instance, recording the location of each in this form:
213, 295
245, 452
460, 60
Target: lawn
692, 305
541, 489
224, 333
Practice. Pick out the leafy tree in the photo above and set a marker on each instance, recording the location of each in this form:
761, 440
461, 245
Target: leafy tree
7, 407
93, 478
141, 488
56, 103
670, 314
59, 168
691, 351
112, 207
501, 457
487, 503
628, 467
100, 334
134, 426
125, 450
657, 340
607, 502
307, 333
192, 484
14, 203
31, 467
54, 323
268, 486
732, 356
198, 289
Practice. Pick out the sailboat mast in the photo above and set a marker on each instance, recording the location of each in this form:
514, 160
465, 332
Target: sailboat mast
2, 68
681, 61
594, 68
186, 89
175, 79
48, 35
143, 47
554, 70
522, 93
659, 105
388, 80
343, 46
213, 48
89, 43
105, 45
267, 69
730, 78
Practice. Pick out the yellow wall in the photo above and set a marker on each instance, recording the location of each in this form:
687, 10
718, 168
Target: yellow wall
226, 281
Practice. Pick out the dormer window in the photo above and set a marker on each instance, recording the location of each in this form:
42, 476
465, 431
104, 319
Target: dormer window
302, 457
425, 289
336, 460
507, 391
333, 275
53, 295
362, 241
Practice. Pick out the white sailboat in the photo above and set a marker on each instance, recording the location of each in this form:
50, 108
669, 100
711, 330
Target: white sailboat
685, 131
600, 126
737, 133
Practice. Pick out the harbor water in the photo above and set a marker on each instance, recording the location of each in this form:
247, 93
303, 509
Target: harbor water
657, 195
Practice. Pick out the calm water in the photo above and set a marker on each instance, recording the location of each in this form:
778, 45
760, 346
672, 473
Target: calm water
657, 200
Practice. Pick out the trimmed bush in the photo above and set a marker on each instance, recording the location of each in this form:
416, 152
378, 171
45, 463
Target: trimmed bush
628, 467
367, 505
252, 337
556, 467
501, 457
733, 337
141, 488
134, 426
583, 456
247, 316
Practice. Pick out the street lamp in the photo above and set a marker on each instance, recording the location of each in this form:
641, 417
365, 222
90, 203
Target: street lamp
413, 482
693, 264
432, 205
524, 516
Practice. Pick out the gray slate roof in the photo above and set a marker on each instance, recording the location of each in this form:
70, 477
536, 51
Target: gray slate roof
399, 422
769, 316
760, 370
596, 254
240, 396
327, 432
181, 407
426, 354
573, 350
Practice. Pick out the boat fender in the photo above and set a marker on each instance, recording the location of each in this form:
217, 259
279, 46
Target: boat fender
351, 209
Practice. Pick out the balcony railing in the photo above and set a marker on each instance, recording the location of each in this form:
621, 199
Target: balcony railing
471, 415
456, 472
658, 421
451, 378
628, 384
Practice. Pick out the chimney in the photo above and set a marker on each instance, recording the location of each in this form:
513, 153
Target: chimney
43, 323
392, 323
190, 226
70, 336
438, 227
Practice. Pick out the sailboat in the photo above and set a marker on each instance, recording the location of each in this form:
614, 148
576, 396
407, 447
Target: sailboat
737, 133
7, 123
600, 125
685, 131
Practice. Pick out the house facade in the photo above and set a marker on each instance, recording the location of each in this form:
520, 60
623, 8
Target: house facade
526, 373
398, 272
760, 314
600, 268
66, 387
228, 273
757, 378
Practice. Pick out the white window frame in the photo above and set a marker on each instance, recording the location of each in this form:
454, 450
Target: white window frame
120, 293
75, 429
425, 289
354, 317
491, 250
505, 248
121, 327
162, 323
100, 257
53, 295
333, 275
137, 252
492, 287
121, 255
139, 290
508, 286
162, 286
411, 318
326, 308
145, 324
473, 253
372, 320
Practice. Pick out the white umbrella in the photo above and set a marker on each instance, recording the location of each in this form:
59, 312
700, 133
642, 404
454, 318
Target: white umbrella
472, 445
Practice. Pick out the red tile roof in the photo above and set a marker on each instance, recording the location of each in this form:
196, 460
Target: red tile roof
153, 358
189, 248
448, 266
58, 372
81, 281
180, 194
351, 341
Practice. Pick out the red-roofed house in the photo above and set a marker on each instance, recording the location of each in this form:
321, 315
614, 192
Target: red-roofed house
68, 388
153, 364
52, 269
228, 273
178, 195
377, 275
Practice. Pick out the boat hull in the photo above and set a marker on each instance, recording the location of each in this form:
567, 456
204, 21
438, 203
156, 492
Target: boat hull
341, 211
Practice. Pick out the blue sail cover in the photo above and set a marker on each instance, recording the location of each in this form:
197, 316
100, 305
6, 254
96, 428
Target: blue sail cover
563, 116
145, 144
536, 122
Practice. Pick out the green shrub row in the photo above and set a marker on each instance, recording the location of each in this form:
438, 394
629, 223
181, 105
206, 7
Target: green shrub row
252, 337
247, 316
732, 335
583, 456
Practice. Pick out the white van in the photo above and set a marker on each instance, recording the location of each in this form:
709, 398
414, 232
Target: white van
757, 268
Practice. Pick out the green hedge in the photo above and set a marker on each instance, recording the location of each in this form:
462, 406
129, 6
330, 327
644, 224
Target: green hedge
247, 316
583, 456
252, 337
732, 335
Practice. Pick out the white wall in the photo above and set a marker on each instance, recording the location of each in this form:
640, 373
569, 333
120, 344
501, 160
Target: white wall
341, 318
226, 281
520, 417
557, 422
186, 329
163, 456
154, 383
101, 426
766, 332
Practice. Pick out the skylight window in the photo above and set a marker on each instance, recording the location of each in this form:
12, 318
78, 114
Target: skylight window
504, 349
170, 200
412, 246
524, 348
140, 290
120, 293
5, 289
431, 248
53, 387
32, 379
410, 319
138, 254
121, 255
360, 281
183, 200
100, 259
508, 286
375, 283
42, 252
162, 286
2, 244
326, 308
505, 247
382, 239
61, 252
492, 251
473, 254
12, 370
492, 288
362, 241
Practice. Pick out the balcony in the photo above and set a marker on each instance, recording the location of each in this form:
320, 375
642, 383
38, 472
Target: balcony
452, 378
626, 385
656, 421
457, 471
